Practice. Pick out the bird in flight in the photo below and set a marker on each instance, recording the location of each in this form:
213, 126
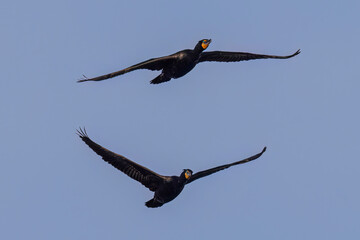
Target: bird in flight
178, 64
165, 188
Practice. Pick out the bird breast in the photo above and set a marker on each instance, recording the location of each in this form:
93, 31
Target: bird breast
183, 65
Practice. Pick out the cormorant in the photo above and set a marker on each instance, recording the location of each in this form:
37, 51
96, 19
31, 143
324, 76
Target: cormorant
180, 63
166, 188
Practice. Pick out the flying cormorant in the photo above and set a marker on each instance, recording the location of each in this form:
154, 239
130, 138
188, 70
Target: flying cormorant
180, 63
166, 188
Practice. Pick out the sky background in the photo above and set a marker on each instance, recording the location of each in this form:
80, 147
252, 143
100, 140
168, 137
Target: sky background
304, 109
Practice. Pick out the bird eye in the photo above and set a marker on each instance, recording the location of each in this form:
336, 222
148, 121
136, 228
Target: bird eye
187, 174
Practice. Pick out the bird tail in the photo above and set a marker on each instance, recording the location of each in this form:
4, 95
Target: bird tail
160, 79
152, 203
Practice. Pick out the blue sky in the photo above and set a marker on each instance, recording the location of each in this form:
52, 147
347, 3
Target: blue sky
304, 109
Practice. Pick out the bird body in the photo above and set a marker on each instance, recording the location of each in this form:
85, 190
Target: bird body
184, 62
165, 188
178, 64
169, 190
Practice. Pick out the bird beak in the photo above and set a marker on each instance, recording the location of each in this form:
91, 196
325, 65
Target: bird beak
205, 45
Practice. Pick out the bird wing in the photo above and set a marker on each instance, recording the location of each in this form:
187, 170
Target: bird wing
137, 172
219, 56
219, 168
151, 64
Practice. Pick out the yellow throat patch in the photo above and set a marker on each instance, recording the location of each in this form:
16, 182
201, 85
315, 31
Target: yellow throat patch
204, 45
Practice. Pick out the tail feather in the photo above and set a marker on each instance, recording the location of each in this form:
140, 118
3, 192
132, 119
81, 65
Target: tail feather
152, 203
160, 79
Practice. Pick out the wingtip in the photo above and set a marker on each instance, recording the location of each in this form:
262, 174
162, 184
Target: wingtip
294, 54
84, 79
81, 132
264, 149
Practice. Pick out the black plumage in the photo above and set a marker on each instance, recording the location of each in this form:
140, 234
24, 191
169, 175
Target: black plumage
165, 188
182, 62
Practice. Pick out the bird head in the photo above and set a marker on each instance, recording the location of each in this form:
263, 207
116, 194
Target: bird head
187, 173
204, 43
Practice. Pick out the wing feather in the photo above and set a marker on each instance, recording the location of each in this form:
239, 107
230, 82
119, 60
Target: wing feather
137, 172
151, 64
222, 167
220, 56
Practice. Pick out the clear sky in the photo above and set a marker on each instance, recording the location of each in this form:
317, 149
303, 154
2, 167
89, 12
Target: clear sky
304, 109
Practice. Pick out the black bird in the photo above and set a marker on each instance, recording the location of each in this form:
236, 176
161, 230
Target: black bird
180, 63
166, 188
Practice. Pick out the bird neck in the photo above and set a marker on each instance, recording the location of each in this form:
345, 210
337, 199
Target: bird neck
182, 179
198, 48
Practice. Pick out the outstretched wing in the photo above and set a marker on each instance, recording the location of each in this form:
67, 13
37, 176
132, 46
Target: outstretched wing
219, 56
137, 172
151, 64
216, 169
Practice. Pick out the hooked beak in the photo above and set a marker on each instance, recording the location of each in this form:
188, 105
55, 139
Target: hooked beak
187, 175
204, 45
